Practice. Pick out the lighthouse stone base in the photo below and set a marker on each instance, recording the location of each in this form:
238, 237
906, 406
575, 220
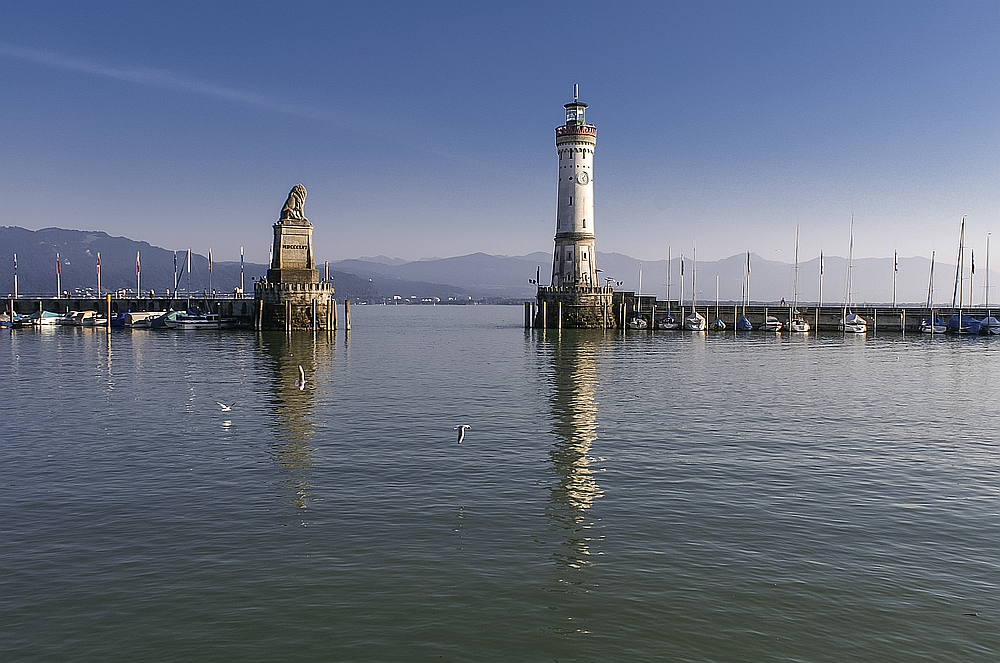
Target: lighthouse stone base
582, 308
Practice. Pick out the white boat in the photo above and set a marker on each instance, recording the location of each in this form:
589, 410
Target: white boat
851, 323
190, 320
932, 325
796, 322
75, 318
695, 322
637, 323
771, 324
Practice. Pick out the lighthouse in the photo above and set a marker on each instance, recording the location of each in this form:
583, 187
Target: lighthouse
575, 297
574, 260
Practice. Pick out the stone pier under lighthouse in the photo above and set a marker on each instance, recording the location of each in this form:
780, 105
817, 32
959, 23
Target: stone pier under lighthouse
292, 296
575, 297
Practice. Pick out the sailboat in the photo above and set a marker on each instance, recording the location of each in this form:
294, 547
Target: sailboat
932, 324
668, 322
851, 323
742, 324
989, 324
717, 324
961, 323
637, 322
796, 323
695, 321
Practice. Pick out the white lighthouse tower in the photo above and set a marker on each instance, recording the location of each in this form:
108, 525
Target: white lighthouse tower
575, 298
573, 263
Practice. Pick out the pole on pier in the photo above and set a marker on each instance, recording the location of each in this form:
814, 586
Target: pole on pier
559, 321
333, 305
902, 321
527, 315
109, 311
874, 319
545, 312
652, 316
347, 315
314, 314
288, 315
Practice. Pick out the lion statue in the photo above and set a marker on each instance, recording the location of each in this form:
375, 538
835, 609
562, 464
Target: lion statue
292, 211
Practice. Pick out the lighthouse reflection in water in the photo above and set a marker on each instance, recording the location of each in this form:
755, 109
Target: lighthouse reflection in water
574, 424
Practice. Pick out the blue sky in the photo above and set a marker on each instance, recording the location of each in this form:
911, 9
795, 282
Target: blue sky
426, 129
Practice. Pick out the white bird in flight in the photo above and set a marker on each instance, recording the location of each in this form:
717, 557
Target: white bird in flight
225, 408
461, 431
301, 382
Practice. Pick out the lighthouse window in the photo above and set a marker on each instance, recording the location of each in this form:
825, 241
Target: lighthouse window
584, 225
571, 201
583, 254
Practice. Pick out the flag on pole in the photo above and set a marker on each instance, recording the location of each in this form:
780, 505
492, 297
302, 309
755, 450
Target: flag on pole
821, 263
682, 266
98, 263
748, 262
138, 267
973, 261
895, 262
210, 261
58, 266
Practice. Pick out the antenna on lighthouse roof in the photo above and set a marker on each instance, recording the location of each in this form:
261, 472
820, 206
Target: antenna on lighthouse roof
576, 92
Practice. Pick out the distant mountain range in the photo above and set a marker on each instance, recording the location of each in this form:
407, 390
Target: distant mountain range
477, 276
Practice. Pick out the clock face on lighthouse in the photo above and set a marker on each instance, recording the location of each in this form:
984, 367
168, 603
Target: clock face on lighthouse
582, 177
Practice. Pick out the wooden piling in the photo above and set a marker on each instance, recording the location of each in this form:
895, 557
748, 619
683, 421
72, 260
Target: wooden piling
545, 312
288, 315
559, 319
527, 315
109, 312
314, 314
347, 315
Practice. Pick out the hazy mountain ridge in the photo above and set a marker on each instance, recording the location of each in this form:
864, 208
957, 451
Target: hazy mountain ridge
476, 275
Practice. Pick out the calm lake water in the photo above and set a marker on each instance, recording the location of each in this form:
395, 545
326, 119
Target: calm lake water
637, 497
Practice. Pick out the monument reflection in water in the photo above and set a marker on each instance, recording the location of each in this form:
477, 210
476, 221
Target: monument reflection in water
574, 423
293, 407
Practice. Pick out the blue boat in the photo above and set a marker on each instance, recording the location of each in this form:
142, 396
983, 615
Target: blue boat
963, 324
743, 324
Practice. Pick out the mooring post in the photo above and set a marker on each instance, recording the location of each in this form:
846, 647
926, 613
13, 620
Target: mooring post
347, 315
314, 314
527, 314
109, 311
288, 315
902, 321
545, 312
559, 319
652, 316
874, 319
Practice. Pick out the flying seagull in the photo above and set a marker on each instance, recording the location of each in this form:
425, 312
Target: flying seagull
225, 408
461, 431
301, 382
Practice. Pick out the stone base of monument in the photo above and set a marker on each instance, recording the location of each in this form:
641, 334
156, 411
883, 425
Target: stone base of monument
575, 307
294, 306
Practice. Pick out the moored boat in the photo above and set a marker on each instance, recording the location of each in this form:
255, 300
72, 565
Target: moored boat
989, 325
695, 322
935, 326
193, 320
771, 324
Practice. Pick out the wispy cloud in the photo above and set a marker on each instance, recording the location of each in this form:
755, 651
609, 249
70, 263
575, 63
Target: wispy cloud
168, 80
164, 79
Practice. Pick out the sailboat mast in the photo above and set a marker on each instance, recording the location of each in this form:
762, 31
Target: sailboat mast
986, 288
850, 266
795, 273
668, 279
694, 275
930, 284
681, 298
958, 266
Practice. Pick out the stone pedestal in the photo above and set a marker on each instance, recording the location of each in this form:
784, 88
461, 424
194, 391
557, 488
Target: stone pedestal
289, 306
582, 308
